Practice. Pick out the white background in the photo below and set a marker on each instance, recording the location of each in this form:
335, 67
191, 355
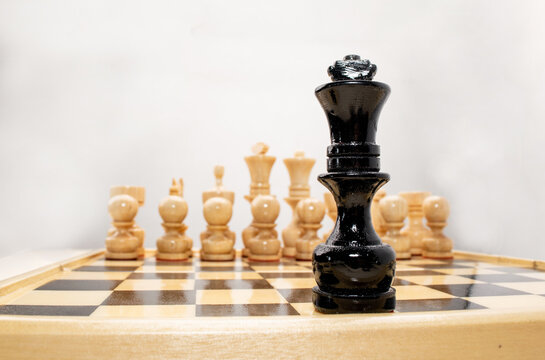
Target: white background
99, 93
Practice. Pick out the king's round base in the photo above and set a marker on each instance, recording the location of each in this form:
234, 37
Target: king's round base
403, 255
218, 257
121, 256
347, 304
304, 256
416, 252
171, 256
271, 258
289, 252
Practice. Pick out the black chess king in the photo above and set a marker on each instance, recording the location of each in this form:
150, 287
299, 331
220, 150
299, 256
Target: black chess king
354, 269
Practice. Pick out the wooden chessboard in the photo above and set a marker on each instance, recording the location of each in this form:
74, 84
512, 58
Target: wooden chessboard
449, 306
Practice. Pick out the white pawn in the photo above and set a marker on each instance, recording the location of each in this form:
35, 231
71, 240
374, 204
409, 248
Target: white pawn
264, 245
310, 212
139, 194
122, 243
394, 210
436, 244
172, 245
217, 245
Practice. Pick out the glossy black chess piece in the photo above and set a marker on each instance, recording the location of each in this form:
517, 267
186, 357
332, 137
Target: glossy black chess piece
354, 269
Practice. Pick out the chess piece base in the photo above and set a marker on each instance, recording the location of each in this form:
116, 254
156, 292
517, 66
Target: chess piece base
304, 256
345, 304
289, 252
121, 256
416, 252
245, 252
437, 255
141, 252
271, 258
171, 256
189, 253
403, 255
218, 257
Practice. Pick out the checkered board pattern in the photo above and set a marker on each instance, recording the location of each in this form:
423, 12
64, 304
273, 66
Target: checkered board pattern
195, 288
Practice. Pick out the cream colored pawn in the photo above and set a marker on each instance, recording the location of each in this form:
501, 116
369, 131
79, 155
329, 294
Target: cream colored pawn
415, 228
172, 245
122, 243
331, 207
436, 244
394, 210
217, 245
139, 194
218, 191
376, 216
311, 212
265, 246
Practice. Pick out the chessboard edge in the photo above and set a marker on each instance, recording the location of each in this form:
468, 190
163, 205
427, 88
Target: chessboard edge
499, 259
499, 334
29, 278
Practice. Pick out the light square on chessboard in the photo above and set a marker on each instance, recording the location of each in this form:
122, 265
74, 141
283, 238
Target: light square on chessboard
245, 310
92, 275
536, 275
532, 287
499, 278
422, 261
405, 267
157, 284
59, 298
292, 283
167, 269
416, 272
237, 268
204, 263
224, 275
104, 262
161, 275
467, 271
438, 279
106, 268
418, 292
280, 268
514, 269
139, 311
510, 302
239, 296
